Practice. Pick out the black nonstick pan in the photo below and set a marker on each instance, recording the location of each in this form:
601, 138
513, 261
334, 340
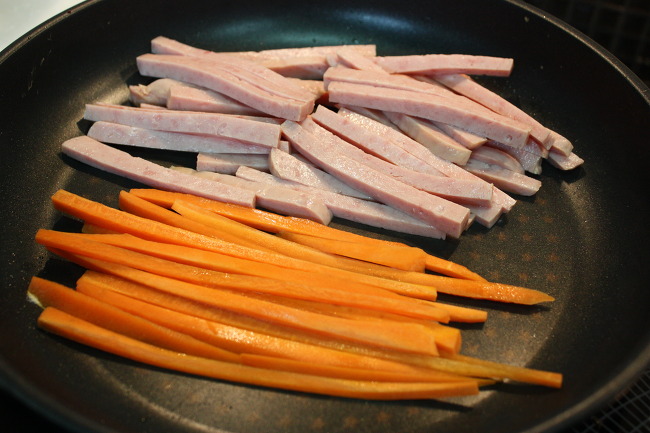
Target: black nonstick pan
583, 238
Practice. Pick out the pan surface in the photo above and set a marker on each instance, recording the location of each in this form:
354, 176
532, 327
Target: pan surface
583, 238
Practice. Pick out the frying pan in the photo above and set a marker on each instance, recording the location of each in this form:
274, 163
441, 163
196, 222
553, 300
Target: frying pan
583, 238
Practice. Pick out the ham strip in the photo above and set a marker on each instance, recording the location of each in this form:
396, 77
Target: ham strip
505, 179
456, 190
353, 209
564, 162
228, 163
443, 214
288, 167
154, 93
467, 139
430, 137
233, 127
107, 158
466, 86
116, 133
275, 198
432, 107
447, 64
492, 156
189, 98
202, 72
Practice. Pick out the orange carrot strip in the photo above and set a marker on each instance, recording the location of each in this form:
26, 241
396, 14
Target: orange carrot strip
84, 332
143, 208
48, 293
319, 369
405, 258
85, 245
407, 337
113, 281
273, 223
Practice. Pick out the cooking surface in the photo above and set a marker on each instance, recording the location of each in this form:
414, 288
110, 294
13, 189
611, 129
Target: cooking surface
631, 410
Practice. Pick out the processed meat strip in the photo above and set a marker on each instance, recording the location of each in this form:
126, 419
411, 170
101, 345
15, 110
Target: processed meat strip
484, 215
201, 72
505, 179
288, 167
447, 64
529, 161
188, 98
432, 107
493, 156
116, 133
559, 144
460, 191
252, 72
274, 198
564, 162
430, 137
222, 125
443, 214
464, 85
467, 139
107, 158
154, 93
228, 163
354, 59
353, 209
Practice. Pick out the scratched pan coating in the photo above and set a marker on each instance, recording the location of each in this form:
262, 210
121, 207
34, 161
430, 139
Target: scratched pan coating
583, 238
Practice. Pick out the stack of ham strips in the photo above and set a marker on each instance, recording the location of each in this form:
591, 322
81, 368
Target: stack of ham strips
407, 143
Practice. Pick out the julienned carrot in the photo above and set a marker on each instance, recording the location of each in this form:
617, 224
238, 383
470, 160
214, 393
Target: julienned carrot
87, 245
321, 369
86, 333
241, 340
141, 207
406, 337
112, 280
274, 223
405, 258
48, 293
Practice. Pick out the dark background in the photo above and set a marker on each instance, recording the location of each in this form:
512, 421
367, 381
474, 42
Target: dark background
623, 28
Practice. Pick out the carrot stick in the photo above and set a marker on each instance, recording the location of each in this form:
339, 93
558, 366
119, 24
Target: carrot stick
84, 332
48, 293
273, 223
112, 280
142, 207
83, 244
407, 337
405, 258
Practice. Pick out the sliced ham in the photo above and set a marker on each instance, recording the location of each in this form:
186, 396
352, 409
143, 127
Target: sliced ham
493, 156
466, 86
107, 158
202, 72
447, 64
228, 163
222, 125
355, 60
531, 161
154, 93
443, 214
376, 115
353, 209
559, 144
467, 139
288, 167
275, 198
430, 137
564, 162
432, 107
190, 98
116, 133
505, 179
457, 190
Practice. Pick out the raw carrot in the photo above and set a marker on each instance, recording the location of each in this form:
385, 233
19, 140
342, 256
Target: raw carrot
51, 294
112, 280
84, 332
405, 258
406, 337
273, 223
84, 244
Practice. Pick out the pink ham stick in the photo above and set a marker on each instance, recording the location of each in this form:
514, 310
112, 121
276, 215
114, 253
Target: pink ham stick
202, 72
116, 133
503, 178
564, 162
432, 107
154, 93
288, 167
467, 139
228, 163
447, 64
275, 198
443, 214
353, 209
464, 85
107, 158
222, 125
493, 156
529, 157
188, 98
